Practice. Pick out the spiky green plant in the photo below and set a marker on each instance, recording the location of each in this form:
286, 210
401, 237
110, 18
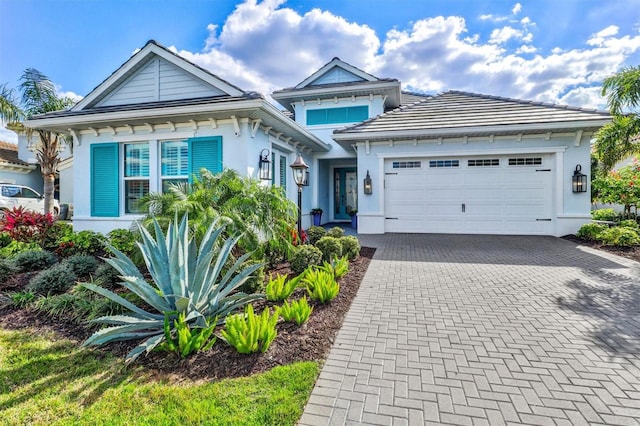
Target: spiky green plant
338, 267
184, 340
250, 333
297, 311
279, 288
186, 279
321, 285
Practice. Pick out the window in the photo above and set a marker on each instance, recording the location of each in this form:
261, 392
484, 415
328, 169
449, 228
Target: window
490, 162
407, 164
136, 175
29, 193
11, 191
337, 115
174, 160
525, 161
444, 163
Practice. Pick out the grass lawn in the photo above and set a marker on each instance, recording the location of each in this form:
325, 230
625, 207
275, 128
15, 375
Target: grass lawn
44, 380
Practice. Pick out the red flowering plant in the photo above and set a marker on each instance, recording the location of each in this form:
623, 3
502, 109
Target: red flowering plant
26, 225
619, 187
294, 237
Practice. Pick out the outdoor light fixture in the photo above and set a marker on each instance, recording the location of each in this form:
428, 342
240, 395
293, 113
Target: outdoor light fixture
579, 180
299, 169
264, 165
306, 179
368, 185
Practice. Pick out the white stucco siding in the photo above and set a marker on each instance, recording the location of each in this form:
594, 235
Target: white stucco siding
569, 210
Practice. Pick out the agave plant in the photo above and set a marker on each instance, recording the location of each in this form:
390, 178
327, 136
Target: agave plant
187, 282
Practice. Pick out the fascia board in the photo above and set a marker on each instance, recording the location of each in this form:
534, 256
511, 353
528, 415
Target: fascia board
333, 90
514, 129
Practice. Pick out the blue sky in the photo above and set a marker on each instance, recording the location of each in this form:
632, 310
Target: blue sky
546, 50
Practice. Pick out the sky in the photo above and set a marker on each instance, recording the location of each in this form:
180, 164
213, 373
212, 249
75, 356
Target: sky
555, 51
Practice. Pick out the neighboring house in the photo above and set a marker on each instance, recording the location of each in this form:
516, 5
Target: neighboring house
456, 162
15, 170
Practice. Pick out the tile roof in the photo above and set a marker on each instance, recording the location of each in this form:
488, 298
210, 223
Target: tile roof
9, 154
413, 97
457, 110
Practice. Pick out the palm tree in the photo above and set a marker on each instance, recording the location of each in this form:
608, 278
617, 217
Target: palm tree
620, 139
38, 97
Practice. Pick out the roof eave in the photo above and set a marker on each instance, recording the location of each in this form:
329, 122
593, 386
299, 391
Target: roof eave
63, 124
344, 137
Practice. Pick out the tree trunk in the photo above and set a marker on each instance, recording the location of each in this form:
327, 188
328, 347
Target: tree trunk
48, 157
49, 181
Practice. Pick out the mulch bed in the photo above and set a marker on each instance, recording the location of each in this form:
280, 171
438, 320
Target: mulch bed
628, 252
309, 342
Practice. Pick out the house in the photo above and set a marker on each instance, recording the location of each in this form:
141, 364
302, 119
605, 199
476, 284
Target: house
15, 170
456, 162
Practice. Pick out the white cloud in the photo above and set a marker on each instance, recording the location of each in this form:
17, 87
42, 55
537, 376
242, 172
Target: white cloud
516, 8
587, 97
502, 35
266, 46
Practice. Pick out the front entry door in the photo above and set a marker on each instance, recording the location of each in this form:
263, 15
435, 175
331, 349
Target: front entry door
345, 192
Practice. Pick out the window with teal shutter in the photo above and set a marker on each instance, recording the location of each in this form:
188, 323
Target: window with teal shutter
205, 153
105, 180
283, 172
273, 168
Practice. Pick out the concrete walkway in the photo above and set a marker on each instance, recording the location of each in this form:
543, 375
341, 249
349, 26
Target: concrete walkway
473, 330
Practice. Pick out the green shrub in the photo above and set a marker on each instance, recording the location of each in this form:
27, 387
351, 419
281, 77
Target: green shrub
58, 231
123, 240
184, 339
629, 223
57, 279
249, 333
335, 232
83, 242
314, 233
33, 260
321, 285
620, 236
350, 246
338, 267
5, 239
604, 214
279, 288
82, 264
330, 247
591, 231
22, 299
297, 311
7, 268
67, 306
15, 247
185, 279
303, 257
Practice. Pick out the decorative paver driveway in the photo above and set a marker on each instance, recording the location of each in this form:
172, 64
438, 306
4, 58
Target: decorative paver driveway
474, 330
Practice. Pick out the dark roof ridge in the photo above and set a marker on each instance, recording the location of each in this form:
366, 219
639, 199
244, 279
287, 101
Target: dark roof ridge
524, 102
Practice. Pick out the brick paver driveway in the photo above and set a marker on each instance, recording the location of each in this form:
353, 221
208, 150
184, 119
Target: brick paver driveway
471, 330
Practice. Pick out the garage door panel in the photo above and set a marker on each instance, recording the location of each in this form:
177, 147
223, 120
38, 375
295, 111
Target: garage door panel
501, 200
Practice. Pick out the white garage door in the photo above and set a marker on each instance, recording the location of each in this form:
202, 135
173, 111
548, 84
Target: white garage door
471, 195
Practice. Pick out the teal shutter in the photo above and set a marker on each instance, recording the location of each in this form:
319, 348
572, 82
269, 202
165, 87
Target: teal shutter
283, 172
105, 180
273, 168
205, 153
337, 115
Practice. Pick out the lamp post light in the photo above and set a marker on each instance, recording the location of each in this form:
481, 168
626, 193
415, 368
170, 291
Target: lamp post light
299, 169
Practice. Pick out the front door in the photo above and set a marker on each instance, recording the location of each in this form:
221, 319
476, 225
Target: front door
345, 192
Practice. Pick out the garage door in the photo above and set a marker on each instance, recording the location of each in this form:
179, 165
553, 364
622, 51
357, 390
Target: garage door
474, 195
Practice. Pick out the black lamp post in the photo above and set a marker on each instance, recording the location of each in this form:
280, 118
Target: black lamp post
299, 169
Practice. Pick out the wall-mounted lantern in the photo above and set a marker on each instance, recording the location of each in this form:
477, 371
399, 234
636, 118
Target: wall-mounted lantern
579, 180
264, 165
368, 184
